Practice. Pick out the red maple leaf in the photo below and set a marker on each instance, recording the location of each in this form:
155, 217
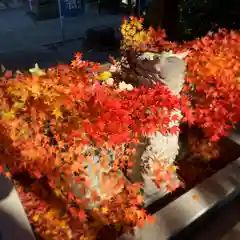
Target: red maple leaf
82, 215
1, 169
175, 117
37, 174
174, 130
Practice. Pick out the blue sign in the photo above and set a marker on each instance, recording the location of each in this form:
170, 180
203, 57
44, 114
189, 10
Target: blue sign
72, 8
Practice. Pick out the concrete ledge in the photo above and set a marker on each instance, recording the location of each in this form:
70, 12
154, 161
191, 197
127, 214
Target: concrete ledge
234, 234
14, 224
235, 136
186, 209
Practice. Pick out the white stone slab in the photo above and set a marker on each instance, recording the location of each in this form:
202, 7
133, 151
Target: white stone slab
235, 136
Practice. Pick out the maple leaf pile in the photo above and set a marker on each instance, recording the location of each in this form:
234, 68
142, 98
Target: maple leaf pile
210, 99
65, 126
53, 125
211, 96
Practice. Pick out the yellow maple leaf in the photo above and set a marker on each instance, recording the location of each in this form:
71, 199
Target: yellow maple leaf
18, 105
24, 95
57, 161
10, 89
62, 224
35, 218
172, 168
57, 113
104, 210
139, 25
58, 192
104, 76
36, 71
8, 115
96, 209
35, 89
50, 214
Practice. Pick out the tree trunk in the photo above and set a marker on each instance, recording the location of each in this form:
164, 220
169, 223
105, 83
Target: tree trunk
164, 14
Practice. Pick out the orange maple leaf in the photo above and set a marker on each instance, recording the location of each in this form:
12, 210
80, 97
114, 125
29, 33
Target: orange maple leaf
95, 196
150, 219
195, 197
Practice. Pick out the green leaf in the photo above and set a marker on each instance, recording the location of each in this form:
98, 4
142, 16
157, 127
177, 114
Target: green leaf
18, 105
141, 191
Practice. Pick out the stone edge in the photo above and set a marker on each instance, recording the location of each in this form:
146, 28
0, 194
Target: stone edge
12, 206
182, 212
